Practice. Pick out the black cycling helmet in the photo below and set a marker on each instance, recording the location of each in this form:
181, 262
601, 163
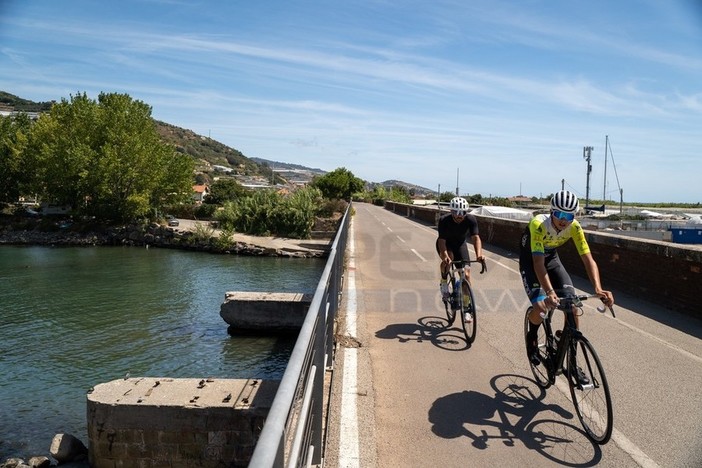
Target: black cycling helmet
564, 201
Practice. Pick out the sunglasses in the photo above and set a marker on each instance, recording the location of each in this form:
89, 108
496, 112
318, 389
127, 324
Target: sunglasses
564, 215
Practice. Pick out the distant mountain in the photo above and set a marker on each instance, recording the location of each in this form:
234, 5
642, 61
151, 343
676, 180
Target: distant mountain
293, 173
290, 166
13, 102
416, 189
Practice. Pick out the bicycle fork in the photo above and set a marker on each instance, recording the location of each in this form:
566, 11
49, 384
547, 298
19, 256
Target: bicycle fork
565, 355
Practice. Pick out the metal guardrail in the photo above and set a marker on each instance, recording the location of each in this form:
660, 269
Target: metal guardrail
292, 435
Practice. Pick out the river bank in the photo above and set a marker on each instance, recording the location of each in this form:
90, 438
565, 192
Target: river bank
193, 235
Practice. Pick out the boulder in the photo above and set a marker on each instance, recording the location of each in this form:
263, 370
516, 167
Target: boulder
66, 448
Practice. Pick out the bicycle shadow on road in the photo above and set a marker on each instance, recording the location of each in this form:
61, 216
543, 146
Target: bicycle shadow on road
427, 329
515, 413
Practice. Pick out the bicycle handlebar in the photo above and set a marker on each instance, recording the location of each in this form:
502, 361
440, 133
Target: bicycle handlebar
569, 299
460, 263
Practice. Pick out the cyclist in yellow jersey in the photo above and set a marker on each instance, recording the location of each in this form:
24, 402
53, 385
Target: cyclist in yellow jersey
543, 274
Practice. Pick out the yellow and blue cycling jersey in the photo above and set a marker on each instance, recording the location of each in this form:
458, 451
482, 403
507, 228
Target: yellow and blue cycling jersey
545, 238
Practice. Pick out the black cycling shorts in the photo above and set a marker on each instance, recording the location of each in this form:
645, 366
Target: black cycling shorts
459, 252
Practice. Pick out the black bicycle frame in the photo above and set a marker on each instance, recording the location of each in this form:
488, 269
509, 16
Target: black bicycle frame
568, 334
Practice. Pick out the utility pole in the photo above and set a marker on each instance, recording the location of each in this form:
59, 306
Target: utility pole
562, 184
457, 194
587, 154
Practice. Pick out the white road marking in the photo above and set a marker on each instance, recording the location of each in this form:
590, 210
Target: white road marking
349, 456
418, 255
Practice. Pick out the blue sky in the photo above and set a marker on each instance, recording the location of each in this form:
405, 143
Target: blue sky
501, 95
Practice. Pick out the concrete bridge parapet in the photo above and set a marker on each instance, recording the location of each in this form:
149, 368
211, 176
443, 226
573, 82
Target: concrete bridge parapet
665, 273
201, 423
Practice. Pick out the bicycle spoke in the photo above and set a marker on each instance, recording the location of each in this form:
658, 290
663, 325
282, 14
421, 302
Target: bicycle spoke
469, 328
592, 399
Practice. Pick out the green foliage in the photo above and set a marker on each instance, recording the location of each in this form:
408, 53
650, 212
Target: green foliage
446, 196
205, 211
399, 194
203, 234
329, 207
224, 190
475, 199
295, 216
224, 241
105, 158
13, 173
378, 195
339, 183
267, 213
499, 201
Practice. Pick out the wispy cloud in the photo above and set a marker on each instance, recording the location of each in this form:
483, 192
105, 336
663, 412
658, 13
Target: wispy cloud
393, 91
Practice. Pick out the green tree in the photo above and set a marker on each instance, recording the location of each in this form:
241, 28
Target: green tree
106, 159
475, 199
295, 216
399, 193
13, 172
339, 183
446, 196
224, 190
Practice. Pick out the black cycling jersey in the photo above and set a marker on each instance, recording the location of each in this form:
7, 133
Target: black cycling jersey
456, 235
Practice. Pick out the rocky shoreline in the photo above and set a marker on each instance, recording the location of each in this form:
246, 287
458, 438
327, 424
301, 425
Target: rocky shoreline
156, 235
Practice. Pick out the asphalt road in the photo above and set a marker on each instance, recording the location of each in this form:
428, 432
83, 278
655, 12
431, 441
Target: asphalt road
408, 392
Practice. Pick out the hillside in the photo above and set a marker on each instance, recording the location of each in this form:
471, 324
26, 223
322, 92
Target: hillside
205, 151
416, 189
293, 173
11, 101
209, 153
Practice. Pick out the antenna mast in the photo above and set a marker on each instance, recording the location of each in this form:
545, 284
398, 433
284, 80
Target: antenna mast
457, 194
587, 154
604, 190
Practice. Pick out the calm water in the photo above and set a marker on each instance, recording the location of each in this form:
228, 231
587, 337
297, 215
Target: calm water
71, 318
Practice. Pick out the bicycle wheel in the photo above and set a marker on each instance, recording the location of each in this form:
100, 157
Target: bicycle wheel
469, 328
540, 370
448, 304
592, 400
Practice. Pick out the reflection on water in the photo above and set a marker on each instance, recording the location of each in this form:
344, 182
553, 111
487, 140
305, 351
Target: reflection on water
76, 317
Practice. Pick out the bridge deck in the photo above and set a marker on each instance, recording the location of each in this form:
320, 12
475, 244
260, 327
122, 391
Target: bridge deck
407, 391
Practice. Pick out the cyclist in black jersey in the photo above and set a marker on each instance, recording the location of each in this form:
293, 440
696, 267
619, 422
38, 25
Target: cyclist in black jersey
541, 269
454, 230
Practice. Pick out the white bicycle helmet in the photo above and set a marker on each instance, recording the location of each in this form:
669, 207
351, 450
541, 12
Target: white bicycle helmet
459, 206
565, 201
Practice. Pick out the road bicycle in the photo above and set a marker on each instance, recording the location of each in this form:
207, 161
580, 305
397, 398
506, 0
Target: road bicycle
464, 302
568, 352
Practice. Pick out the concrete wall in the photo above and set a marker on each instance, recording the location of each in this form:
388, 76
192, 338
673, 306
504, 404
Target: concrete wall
664, 273
265, 311
165, 422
